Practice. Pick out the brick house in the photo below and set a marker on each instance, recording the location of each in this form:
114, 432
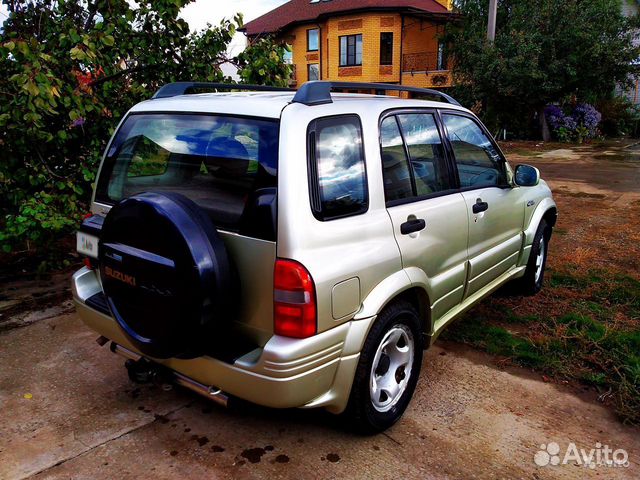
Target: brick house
386, 41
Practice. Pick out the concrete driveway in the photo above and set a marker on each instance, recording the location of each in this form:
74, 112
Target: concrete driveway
68, 410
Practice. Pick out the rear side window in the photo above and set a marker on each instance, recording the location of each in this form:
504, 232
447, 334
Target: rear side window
413, 158
395, 165
478, 162
226, 165
338, 181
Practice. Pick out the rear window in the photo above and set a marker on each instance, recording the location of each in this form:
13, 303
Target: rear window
226, 165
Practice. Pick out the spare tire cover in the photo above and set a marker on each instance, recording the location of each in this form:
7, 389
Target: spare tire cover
165, 273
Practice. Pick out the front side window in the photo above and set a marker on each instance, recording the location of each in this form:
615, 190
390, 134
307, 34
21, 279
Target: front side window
426, 153
338, 177
314, 71
478, 161
386, 48
224, 164
313, 40
351, 50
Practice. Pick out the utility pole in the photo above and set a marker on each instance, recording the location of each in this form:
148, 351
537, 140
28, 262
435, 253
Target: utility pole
493, 13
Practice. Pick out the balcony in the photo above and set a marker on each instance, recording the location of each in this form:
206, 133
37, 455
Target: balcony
421, 62
423, 70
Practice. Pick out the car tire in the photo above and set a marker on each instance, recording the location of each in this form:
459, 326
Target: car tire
533, 279
374, 404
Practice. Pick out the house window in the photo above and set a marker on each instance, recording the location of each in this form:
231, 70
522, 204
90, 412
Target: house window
313, 40
386, 48
351, 50
313, 72
442, 56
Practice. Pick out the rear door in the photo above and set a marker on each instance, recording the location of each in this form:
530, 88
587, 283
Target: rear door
495, 208
429, 215
228, 166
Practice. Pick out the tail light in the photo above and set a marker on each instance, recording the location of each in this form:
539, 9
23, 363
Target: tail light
294, 300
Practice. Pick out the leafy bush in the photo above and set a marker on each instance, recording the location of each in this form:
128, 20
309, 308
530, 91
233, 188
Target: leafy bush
578, 125
620, 117
70, 70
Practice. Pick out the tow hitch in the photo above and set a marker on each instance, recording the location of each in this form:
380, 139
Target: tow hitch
143, 371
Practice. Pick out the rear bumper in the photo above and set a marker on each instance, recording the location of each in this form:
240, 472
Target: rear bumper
285, 373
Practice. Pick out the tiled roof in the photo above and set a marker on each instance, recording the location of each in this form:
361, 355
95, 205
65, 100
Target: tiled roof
303, 11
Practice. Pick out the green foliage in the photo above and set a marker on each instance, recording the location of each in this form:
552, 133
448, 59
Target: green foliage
620, 117
263, 63
541, 55
70, 70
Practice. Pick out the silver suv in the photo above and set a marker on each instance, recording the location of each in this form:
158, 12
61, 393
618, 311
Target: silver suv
301, 249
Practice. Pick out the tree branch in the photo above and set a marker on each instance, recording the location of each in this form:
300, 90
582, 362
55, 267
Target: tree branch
121, 73
93, 9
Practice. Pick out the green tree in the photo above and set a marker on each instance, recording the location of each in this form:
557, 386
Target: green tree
70, 70
263, 62
545, 51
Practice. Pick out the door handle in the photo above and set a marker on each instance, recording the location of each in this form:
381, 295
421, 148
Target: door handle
480, 206
412, 226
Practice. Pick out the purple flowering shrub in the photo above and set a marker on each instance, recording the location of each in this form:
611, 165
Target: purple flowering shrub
582, 123
587, 116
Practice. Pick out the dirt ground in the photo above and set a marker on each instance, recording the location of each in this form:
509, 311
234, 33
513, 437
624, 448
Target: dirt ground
68, 410
597, 189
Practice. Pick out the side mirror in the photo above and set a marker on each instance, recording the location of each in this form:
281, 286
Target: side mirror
527, 176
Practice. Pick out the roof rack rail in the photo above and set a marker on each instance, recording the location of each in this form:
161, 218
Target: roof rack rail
319, 92
182, 88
